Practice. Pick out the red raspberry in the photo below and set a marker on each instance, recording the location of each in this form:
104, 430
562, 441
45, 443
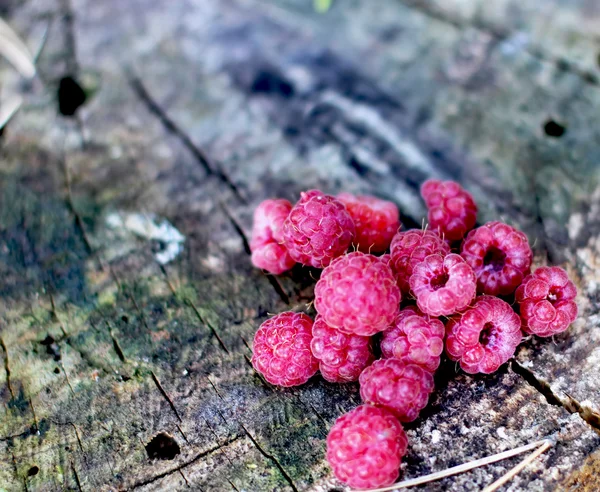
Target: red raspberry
341, 357
401, 388
485, 336
281, 350
269, 217
546, 300
499, 255
414, 338
318, 229
365, 447
411, 247
357, 294
443, 285
376, 221
267, 251
452, 210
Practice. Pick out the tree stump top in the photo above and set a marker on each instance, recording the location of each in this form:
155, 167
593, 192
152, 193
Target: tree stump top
127, 184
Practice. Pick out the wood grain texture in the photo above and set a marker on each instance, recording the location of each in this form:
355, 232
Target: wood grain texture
198, 110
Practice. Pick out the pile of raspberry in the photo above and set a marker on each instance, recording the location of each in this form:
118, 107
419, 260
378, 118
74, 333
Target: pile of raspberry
390, 303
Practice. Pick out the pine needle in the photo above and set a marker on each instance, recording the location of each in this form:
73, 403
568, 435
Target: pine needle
15, 51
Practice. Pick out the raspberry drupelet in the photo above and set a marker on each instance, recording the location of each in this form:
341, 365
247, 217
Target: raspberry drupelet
266, 245
547, 301
414, 338
443, 285
452, 210
409, 248
376, 221
281, 351
499, 255
318, 229
357, 294
401, 388
341, 357
365, 447
483, 337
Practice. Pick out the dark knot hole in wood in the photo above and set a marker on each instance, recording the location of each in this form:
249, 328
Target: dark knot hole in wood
163, 447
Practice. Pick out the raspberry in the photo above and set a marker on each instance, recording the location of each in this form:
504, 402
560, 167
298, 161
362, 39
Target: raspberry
269, 217
273, 258
365, 447
414, 338
485, 336
443, 285
452, 210
318, 229
546, 300
401, 388
499, 255
376, 221
267, 251
281, 350
341, 357
411, 247
357, 294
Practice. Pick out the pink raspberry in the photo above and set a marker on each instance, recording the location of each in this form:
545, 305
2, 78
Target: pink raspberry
341, 357
401, 388
376, 221
267, 251
272, 257
365, 447
281, 351
357, 294
452, 210
443, 285
414, 338
546, 300
499, 255
483, 337
318, 229
411, 247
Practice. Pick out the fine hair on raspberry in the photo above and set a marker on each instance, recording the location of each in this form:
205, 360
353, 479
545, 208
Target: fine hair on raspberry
365, 447
483, 337
357, 294
376, 221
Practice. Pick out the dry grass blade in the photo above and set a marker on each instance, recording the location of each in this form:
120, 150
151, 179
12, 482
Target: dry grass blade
15, 51
8, 108
514, 471
455, 470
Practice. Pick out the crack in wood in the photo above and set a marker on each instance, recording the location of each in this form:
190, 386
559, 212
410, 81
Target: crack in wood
7, 368
165, 395
117, 347
569, 403
272, 458
206, 323
183, 465
170, 126
77, 481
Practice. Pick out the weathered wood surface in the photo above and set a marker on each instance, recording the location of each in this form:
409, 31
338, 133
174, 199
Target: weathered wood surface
199, 110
